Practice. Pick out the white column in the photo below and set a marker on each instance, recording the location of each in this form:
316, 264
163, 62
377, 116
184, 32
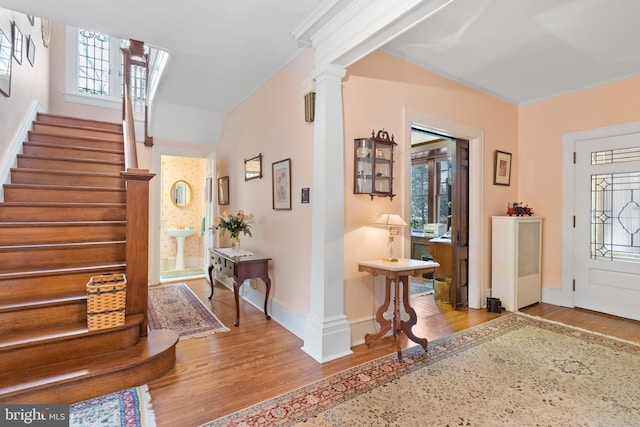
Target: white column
327, 333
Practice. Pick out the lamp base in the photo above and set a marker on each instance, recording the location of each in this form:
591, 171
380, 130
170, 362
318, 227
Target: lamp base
390, 259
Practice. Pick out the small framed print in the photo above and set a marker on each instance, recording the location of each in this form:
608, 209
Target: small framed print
502, 168
223, 190
281, 176
17, 42
31, 51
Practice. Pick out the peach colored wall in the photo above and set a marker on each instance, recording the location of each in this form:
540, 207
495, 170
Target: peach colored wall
376, 90
193, 171
539, 163
28, 83
271, 122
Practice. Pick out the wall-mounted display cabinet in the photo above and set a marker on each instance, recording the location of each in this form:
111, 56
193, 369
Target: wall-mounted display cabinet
373, 169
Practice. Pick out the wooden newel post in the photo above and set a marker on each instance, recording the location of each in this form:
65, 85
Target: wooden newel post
137, 251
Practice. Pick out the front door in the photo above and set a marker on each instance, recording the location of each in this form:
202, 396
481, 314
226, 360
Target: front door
607, 225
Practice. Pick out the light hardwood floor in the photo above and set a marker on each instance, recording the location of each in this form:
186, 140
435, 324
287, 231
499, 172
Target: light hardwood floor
222, 373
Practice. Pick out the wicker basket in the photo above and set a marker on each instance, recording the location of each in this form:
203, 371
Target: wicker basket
106, 300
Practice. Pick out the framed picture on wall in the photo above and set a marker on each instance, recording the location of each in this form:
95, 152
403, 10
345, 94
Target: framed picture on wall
6, 47
223, 190
17, 42
281, 176
502, 168
31, 51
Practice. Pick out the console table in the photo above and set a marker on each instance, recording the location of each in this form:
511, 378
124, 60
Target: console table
241, 266
397, 273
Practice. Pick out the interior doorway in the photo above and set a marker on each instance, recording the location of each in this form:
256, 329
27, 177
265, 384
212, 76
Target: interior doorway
439, 205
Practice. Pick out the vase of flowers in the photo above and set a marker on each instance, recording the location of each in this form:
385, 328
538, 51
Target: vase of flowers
234, 224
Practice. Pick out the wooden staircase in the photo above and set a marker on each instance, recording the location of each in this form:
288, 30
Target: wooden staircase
62, 221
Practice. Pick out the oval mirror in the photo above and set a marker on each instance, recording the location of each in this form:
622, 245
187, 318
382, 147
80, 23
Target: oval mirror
181, 194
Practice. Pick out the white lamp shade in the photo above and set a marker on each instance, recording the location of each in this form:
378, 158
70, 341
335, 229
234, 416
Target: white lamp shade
390, 220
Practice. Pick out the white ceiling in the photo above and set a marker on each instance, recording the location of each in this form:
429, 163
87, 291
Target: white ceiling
518, 50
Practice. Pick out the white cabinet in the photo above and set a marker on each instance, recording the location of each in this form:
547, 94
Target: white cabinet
515, 260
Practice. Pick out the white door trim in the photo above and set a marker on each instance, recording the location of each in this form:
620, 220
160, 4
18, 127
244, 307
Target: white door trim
569, 141
475, 137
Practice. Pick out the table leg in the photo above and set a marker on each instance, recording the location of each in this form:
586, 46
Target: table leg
385, 324
413, 318
236, 288
267, 282
397, 317
211, 279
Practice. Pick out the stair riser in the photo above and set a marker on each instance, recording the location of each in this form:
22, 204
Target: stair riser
21, 194
14, 259
29, 235
74, 121
75, 141
24, 176
43, 286
55, 213
73, 131
68, 165
44, 151
38, 319
77, 347
135, 372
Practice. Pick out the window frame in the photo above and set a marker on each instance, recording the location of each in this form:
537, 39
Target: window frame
72, 94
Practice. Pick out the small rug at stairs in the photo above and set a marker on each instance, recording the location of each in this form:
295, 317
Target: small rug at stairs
124, 408
515, 370
176, 307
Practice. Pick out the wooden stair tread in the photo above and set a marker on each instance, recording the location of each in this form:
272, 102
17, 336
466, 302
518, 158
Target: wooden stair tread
34, 134
18, 303
71, 159
64, 187
78, 147
77, 370
66, 172
9, 224
58, 333
79, 127
92, 269
65, 204
43, 246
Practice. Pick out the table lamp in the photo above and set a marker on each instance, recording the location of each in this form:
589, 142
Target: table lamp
392, 222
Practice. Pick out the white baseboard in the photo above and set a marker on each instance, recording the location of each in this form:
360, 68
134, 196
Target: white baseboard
9, 160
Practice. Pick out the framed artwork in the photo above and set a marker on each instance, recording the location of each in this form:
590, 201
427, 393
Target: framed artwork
502, 168
5, 64
17, 42
223, 190
281, 177
31, 51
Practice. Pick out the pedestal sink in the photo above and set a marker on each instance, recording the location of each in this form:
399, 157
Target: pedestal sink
180, 235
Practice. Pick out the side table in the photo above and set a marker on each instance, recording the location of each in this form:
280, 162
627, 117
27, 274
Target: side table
397, 273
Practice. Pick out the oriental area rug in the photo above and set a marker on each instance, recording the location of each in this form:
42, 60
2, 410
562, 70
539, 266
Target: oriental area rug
176, 307
515, 370
124, 408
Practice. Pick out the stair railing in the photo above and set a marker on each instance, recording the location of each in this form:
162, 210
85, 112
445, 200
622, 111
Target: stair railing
137, 198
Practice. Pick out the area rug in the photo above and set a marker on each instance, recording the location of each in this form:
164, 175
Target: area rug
125, 408
176, 307
419, 286
516, 370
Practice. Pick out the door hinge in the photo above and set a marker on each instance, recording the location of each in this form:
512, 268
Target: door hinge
574, 285
574, 221
574, 157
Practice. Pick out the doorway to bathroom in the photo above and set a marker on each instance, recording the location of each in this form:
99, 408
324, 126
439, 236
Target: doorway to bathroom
182, 218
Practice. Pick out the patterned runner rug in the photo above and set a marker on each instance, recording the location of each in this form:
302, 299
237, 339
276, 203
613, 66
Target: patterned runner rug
176, 307
516, 370
124, 408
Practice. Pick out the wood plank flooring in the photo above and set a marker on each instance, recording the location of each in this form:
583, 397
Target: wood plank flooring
222, 373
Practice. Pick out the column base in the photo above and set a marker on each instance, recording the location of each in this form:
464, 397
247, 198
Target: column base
327, 339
